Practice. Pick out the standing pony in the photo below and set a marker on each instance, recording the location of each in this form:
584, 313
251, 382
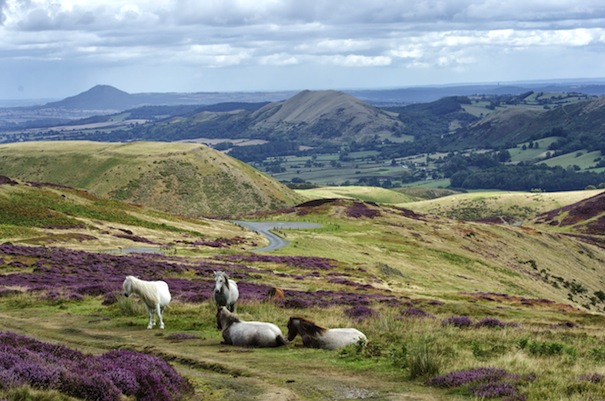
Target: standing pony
314, 336
155, 295
247, 334
225, 291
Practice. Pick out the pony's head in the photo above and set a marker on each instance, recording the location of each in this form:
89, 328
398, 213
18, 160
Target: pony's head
224, 318
293, 325
127, 286
304, 327
220, 279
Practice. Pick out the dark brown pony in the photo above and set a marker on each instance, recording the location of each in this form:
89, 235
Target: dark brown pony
315, 336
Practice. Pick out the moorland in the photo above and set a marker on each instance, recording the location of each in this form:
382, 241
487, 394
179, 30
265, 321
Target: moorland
462, 294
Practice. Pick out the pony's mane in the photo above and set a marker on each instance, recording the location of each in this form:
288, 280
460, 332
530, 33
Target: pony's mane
230, 317
309, 327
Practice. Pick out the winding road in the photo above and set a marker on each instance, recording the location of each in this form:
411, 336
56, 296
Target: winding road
264, 228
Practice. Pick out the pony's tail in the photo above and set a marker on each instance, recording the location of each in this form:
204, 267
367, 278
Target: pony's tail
280, 341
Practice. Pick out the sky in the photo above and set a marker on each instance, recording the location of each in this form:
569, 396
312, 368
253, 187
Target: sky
59, 48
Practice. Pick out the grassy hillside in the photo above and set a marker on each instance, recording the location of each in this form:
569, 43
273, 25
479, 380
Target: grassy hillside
186, 179
496, 205
52, 215
441, 300
510, 206
368, 194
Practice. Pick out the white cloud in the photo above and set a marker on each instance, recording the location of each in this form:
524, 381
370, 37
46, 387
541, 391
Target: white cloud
281, 59
377, 36
356, 60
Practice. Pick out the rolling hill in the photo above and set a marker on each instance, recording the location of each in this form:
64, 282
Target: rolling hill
323, 115
100, 97
186, 179
581, 123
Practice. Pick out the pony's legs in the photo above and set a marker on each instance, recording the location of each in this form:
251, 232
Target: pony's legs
159, 311
150, 318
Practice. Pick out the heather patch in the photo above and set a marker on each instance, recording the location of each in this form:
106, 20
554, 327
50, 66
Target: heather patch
60, 274
7, 181
302, 262
134, 238
462, 322
108, 377
485, 383
490, 322
416, 313
361, 312
217, 243
359, 209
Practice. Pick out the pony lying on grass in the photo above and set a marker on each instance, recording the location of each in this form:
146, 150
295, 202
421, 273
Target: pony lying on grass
226, 292
155, 295
314, 336
247, 334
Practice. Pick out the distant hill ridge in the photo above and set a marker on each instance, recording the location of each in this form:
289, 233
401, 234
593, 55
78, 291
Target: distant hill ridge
100, 97
324, 114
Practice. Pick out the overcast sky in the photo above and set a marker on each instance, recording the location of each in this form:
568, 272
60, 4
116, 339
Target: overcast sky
59, 48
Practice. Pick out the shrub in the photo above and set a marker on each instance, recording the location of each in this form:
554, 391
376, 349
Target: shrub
361, 312
415, 313
490, 322
457, 321
422, 360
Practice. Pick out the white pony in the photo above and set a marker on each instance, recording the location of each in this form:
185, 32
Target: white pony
155, 295
225, 291
314, 336
247, 334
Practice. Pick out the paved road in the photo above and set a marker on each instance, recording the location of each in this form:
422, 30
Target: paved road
275, 241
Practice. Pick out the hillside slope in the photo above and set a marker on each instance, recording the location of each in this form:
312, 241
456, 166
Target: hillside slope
326, 115
53, 215
187, 179
516, 125
583, 217
499, 206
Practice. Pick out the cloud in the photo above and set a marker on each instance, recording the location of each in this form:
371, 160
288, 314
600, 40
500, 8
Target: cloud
432, 36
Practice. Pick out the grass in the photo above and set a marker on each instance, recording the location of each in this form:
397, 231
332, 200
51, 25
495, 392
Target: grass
413, 272
400, 350
368, 194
